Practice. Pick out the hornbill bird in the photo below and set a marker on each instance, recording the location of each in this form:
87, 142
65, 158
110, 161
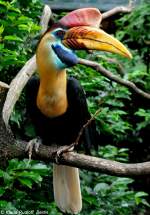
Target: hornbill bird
57, 104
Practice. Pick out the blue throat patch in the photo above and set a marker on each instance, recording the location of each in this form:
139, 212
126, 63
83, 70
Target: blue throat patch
66, 56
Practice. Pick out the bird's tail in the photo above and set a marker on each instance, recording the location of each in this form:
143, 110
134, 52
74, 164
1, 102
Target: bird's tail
67, 191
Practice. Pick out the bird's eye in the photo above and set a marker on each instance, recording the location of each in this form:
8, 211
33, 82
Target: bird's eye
60, 33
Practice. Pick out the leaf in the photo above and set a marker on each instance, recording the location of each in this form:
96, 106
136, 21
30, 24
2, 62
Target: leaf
91, 200
15, 9
123, 150
3, 3
30, 175
26, 182
1, 47
13, 38
23, 27
6, 206
2, 191
1, 29
41, 169
24, 19
101, 187
20, 194
122, 183
16, 117
13, 164
30, 130
144, 202
8, 179
140, 112
3, 204
1, 173
141, 194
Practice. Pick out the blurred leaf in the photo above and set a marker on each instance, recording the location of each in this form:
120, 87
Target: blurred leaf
26, 182
13, 38
1, 29
138, 197
30, 130
2, 191
101, 187
1, 173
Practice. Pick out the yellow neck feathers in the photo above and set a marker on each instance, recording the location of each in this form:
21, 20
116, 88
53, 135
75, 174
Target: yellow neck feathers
52, 95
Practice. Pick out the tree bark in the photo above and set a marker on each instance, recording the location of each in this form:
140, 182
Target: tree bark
16, 149
6, 136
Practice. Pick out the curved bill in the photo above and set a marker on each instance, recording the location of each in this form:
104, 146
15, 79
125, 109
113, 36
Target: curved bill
85, 37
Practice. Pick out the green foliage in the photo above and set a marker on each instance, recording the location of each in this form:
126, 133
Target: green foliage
24, 186
136, 27
113, 153
18, 31
16, 183
110, 195
24, 172
145, 115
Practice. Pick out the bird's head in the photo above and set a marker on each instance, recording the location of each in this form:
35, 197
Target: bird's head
77, 30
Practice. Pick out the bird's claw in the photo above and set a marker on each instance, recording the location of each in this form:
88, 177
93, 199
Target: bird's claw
33, 144
63, 149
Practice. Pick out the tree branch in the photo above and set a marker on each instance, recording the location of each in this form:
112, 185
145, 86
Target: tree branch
47, 154
119, 9
113, 61
113, 77
47, 13
3, 89
16, 87
87, 124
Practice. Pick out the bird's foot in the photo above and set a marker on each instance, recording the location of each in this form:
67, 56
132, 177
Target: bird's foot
33, 144
64, 149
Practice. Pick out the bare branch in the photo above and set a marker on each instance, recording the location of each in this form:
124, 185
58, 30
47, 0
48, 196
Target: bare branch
114, 61
105, 166
113, 77
119, 9
18, 83
16, 87
3, 90
4, 85
86, 125
47, 154
45, 19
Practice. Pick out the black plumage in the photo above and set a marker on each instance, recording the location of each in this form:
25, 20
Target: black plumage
64, 129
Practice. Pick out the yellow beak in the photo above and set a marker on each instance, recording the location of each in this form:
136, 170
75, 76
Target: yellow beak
85, 37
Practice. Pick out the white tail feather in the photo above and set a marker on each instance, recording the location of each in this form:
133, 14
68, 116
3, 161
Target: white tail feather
67, 191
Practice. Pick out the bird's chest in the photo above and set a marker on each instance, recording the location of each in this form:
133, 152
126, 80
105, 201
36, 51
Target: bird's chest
52, 105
